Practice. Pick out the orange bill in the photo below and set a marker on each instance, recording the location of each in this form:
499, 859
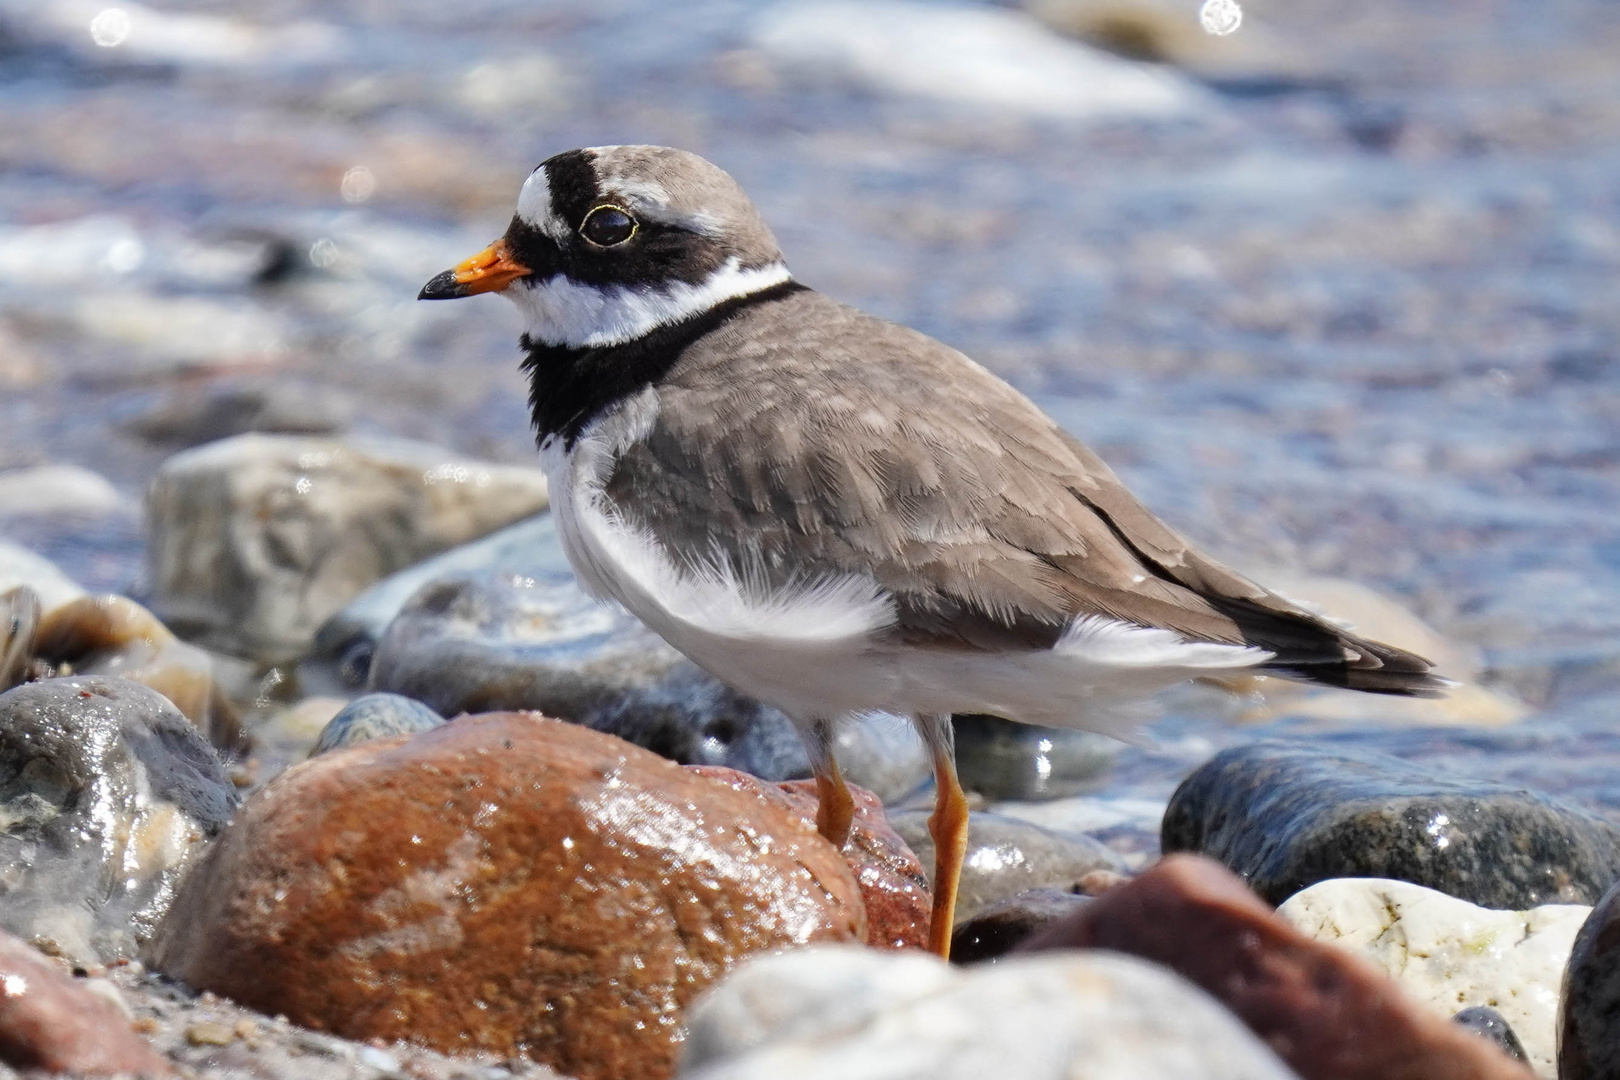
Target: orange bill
491, 270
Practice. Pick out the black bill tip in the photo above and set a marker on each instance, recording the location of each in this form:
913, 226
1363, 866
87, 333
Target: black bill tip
443, 287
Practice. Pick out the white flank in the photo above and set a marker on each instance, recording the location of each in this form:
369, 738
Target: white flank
760, 642
561, 311
1109, 641
817, 649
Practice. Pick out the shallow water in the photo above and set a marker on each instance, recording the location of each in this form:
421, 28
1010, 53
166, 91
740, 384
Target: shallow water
1362, 321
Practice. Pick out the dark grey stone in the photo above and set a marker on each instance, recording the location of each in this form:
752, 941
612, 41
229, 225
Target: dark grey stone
997, 929
1286, 816
375, 716
1006, 856
1487, 1023
1589, 1017
1001, 759
524, 636
106, 790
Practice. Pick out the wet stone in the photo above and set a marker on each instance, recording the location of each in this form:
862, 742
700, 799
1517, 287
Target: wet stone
893, 884
1589, 1020
106, 792
998, 928
1006, 857
1492, 1026
114, 636
529, 638
1001, 759
375, 716
1285, 816
507, 884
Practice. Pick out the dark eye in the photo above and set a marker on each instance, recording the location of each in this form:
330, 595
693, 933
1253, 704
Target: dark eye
607, 225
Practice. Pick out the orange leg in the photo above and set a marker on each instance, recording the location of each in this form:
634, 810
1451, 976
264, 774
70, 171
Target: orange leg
835, 807
948, 825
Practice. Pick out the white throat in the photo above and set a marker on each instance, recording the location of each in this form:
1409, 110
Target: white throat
561, 311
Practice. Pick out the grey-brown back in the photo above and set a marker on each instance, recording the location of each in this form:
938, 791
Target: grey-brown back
803, 438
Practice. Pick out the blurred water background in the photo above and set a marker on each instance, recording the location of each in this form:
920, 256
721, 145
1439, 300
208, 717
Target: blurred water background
1338, 294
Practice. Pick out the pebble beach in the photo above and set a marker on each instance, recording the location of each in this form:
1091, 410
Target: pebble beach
315, 761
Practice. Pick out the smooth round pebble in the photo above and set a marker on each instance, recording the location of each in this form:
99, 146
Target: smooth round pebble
375, 716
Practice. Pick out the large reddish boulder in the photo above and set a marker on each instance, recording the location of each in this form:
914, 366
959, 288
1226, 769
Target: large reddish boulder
51, 1022
506, 883
893, 883
1325, 1011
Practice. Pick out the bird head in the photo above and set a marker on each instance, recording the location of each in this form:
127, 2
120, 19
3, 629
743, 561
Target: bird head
612, 242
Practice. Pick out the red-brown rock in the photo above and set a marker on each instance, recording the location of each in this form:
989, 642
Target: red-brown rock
50, 1022
1325, 1011
506, 883
893, 884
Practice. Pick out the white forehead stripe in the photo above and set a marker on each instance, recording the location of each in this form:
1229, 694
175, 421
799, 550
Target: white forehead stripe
534, 206
560, 311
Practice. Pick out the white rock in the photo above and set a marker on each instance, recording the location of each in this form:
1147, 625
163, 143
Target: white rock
1450, 954
981, 56
58, 489
20, 566
257, 539
845, 1013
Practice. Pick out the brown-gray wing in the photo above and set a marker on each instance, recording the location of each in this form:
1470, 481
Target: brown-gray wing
825, 441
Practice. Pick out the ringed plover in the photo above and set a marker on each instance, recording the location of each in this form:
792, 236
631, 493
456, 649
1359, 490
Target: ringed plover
839, 515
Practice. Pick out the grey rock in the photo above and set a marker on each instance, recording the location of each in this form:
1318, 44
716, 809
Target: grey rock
257, 539
375, 716
834, 1012
106, 791
996, 929
1006, 856
1001, 759
1286, 816
1487, 1023
507, 627
1589, 1019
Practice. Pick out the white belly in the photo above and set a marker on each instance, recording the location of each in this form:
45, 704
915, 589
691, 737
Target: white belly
818, 650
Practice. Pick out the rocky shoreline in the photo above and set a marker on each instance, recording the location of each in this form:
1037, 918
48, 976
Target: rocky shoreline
360, 846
